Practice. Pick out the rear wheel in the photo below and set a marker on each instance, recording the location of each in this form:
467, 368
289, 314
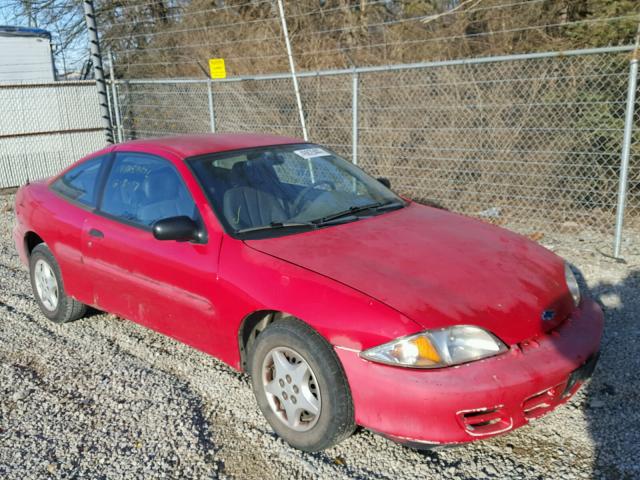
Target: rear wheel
48, 289
300, 386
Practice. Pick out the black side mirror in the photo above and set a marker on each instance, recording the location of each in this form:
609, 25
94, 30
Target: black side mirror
385, 181
176, 228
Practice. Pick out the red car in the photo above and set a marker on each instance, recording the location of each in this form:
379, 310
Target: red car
347, 304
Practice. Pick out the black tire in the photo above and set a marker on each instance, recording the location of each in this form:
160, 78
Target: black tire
67, 309
335, 421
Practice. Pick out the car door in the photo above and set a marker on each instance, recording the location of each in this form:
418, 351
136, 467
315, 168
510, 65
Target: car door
164, 285
75, 197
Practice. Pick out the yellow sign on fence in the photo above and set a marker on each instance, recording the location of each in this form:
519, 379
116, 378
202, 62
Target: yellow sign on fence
216, 68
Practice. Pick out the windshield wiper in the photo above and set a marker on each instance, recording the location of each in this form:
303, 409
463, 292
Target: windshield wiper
278, 225
328, 220
378, 206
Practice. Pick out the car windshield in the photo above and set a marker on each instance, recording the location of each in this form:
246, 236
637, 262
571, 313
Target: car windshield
288, 188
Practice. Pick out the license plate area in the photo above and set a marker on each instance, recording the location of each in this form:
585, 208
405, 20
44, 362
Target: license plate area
581, 374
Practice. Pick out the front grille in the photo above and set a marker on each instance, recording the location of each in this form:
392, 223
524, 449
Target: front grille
544, 401
485, 421
492, 420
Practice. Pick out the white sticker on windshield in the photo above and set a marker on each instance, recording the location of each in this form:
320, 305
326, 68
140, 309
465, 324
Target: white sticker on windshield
308, 153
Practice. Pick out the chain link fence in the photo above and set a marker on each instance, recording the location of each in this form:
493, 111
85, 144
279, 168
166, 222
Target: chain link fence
531, 142
45, 127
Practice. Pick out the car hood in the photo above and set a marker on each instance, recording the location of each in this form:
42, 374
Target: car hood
439, 269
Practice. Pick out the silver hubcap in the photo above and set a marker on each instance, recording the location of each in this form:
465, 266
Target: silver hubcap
291, 388
46, 285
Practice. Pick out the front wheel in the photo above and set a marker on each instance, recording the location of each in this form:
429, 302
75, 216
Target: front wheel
46, 282
300, 386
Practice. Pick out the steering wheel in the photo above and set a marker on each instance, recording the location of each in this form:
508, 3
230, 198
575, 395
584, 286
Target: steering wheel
298, 202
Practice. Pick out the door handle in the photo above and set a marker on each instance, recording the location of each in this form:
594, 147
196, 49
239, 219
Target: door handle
96, 233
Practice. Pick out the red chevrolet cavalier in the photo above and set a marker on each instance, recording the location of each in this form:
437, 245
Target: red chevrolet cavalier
347, 304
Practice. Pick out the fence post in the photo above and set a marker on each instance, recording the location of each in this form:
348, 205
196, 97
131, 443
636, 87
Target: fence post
212, 113
110, 107
94, 44
293, 71
114, 95
354, 118
626, 147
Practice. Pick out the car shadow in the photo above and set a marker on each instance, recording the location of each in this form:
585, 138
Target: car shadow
612, 396
92, 312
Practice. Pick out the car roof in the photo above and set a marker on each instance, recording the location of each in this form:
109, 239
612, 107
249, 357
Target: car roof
192, 145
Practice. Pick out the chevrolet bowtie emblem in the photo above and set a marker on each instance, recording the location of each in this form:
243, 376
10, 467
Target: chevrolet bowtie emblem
548, 315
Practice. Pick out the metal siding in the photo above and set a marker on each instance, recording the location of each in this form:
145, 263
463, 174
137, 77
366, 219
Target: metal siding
25, 59
46, 127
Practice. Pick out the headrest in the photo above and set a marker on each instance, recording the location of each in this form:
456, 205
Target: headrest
161, 185
251, 173
267, 157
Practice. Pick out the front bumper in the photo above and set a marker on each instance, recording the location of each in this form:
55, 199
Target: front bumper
479, 399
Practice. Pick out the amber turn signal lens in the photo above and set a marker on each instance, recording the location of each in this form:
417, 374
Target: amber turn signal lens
426, 350
417, 351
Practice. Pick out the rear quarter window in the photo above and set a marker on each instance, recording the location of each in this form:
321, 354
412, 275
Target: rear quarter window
79, 184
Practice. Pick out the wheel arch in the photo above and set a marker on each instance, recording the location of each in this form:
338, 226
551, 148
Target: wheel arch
252, 325
31, 240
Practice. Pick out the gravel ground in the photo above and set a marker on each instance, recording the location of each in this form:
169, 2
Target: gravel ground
106, 398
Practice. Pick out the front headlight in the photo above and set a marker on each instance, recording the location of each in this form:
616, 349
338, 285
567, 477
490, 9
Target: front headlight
437, 348
572, 284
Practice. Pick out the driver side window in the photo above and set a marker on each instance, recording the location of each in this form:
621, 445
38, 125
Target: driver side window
297, 170
142, 189
294, 171
327, 171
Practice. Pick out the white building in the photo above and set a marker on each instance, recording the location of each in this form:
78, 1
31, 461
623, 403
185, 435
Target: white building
25, 55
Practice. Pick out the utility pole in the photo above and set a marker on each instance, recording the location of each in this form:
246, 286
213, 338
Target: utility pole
292, 66
94, 44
